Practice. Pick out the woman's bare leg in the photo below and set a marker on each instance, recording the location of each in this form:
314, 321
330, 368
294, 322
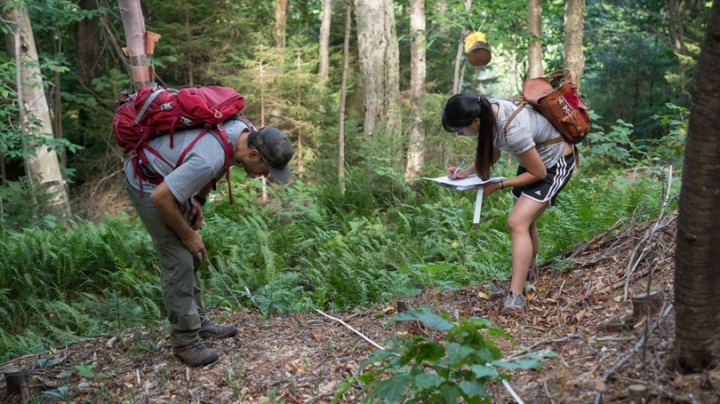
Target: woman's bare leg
525, 240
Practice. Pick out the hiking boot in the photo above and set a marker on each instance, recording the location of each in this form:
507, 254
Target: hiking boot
195, 354
217, 331
514, 304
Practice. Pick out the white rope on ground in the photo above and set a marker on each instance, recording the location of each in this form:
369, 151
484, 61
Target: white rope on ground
512, 392
354, 330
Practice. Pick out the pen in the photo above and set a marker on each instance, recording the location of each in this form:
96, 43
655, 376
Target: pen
452, 177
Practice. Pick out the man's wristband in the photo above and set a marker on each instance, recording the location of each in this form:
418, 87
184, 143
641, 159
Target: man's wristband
502, 184
200, 199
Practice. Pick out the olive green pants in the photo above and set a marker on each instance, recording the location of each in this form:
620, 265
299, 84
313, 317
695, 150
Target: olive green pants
178, 274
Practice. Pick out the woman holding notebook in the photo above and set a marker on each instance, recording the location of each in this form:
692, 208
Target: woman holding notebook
545, 166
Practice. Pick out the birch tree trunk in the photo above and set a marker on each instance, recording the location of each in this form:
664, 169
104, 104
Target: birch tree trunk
325, 40
535, 47
343, 93
416, 147
379, 64
281, 15
573, 53
43, 167
697, 269
457, 76
140, 62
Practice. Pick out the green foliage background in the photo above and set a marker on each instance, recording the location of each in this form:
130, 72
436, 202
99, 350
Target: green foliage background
313, 246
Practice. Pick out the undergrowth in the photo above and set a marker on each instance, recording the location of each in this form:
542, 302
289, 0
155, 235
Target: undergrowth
309, 247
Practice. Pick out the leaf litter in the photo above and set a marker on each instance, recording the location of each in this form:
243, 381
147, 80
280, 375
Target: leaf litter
577, 309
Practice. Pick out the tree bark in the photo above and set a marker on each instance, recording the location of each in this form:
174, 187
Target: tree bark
343, 93
281, 15
88, 40
697, 268
43, 167
379, 64
141, 63
573, 54
535, 46
457, 79
325, 40
416, 147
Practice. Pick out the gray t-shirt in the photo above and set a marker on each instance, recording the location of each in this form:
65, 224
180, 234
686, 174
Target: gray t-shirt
525, 130
202, 163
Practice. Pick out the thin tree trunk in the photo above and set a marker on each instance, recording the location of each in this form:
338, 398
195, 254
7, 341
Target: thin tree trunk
188, 55
57, 95
416, 147
35, 121
379, 64
88, 35
343, 93
573, 53
301, 164
697, 268
325, 40
134, 24
535, 47
281, 16
262, 96
513, 73
457, 81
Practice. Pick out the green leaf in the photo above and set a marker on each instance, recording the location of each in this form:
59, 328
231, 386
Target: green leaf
473, 389
85, 371
431, 351
394, 388
450, 393
458, 352
483, 371
427, 381
426, 316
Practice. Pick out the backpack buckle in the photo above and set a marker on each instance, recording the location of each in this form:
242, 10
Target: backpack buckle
218, 114
166, 106
185, 121
133, 154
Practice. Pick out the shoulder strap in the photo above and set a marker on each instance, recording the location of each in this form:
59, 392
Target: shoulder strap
517, 111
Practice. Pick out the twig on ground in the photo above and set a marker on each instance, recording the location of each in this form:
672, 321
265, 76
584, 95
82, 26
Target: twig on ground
547, 392
636, 348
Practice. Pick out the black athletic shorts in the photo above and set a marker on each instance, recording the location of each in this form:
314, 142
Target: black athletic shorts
547, 189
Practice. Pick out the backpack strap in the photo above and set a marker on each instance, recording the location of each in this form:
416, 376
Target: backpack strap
147, 104
514, 114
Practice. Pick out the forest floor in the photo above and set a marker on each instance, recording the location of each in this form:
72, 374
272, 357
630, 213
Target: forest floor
579, 312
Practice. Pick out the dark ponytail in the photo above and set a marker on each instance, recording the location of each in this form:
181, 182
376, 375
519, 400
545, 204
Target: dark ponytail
460, 111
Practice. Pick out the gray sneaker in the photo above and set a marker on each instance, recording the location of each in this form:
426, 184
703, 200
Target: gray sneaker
514, 304
195, 354
208, 328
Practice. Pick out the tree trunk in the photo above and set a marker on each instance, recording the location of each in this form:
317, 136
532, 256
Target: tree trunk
513, 73
88, 40
281, 16
325, 39
56, 47
697, 268
142, 71
379, 64
457, 80
343, 93
535, 47
416, 147
573, 54
43, 167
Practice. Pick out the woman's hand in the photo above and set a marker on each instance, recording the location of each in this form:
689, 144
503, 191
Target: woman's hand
459, 175
491, 187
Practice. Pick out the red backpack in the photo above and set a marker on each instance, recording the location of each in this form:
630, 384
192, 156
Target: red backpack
154, 112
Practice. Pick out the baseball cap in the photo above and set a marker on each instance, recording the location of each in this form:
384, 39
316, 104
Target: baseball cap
275, 150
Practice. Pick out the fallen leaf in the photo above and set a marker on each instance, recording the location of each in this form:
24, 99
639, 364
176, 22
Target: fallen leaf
483, 295
600, 385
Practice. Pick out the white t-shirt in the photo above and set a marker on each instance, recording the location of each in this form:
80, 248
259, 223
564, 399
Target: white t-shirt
202, 163
525, 130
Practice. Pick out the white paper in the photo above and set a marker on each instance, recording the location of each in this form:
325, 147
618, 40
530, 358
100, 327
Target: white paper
465, 184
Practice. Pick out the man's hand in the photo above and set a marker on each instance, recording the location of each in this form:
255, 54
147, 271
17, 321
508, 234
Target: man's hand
491, 187
196, 215
193, 242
